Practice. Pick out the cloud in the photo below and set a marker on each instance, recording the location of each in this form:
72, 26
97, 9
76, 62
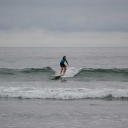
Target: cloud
63, 23
68, 15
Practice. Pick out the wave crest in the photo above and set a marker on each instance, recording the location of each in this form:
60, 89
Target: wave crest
62, 93
71, 70
81, 74
25, 70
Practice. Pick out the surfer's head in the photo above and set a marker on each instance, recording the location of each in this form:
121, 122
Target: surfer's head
64, 57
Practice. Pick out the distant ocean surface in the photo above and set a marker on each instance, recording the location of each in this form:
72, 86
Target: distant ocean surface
92, 73
29, 92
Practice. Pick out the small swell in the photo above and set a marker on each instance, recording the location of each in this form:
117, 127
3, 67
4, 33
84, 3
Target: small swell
7, 71
80, 74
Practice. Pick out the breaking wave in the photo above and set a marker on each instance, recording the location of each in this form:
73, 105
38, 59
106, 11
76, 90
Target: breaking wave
87, 74
62, 93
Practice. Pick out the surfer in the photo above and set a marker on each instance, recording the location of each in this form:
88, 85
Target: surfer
62, 65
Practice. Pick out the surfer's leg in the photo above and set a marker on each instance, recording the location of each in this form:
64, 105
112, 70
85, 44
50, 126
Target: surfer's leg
64, 70
61, 70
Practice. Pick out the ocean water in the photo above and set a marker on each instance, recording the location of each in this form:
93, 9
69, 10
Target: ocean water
92, 93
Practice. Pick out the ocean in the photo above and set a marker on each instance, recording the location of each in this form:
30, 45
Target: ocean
92, 93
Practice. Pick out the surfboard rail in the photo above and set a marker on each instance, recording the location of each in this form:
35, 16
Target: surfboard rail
58, 75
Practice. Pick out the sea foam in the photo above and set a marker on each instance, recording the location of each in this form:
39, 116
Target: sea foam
62, 93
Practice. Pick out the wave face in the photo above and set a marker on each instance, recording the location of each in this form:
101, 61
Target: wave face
81, 74
103, 74
27, 74
7, 71
62, 93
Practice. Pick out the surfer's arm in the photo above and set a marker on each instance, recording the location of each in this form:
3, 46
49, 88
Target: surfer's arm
67, 62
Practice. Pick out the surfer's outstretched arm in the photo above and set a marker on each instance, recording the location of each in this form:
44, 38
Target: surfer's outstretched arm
67, 62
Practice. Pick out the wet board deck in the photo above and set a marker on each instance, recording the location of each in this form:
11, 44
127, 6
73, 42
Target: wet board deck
57, 75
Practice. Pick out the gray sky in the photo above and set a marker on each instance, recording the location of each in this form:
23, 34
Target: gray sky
63, 23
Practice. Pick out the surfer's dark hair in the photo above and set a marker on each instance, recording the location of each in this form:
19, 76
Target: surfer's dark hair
64, 57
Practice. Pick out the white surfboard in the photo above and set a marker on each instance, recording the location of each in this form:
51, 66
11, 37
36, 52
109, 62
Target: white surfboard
58, 75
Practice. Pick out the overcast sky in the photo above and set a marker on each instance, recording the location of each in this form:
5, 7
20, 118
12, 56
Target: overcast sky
63, 23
